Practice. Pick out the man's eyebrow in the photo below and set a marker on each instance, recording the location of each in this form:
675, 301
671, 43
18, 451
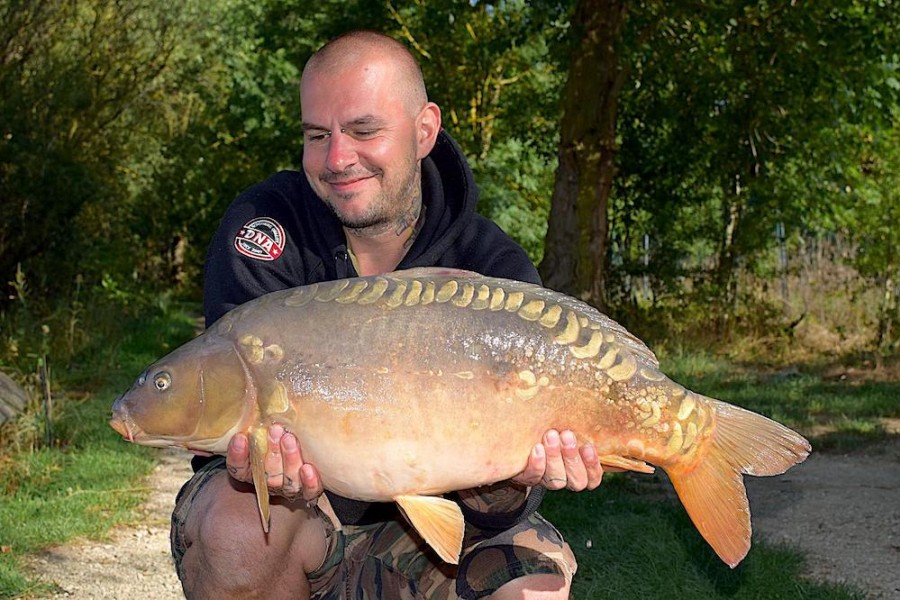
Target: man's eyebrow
365, 120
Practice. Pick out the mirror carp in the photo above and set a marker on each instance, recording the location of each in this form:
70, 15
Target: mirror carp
385, 379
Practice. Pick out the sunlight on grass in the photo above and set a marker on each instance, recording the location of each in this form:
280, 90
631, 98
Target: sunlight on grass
90, 480
633, 540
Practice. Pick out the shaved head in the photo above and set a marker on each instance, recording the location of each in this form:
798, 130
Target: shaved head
360, 47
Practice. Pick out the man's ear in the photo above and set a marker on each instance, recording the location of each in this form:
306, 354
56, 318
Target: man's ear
428, 125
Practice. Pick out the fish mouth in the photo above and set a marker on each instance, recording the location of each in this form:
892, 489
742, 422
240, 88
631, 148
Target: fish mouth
123, 426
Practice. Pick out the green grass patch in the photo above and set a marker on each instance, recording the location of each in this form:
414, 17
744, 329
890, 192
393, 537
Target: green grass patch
89, 480
634, 541
837, 415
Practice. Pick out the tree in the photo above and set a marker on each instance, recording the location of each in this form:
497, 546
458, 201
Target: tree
707, 111
576, 246
87, 89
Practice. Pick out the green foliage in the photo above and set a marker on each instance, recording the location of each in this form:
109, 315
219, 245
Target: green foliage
741, 117
513, 179
88, 480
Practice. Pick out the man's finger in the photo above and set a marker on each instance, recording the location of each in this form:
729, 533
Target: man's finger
592, 464
237, 459
534, 469
312, 483
273, 462
576, 474
292, 460
555, 473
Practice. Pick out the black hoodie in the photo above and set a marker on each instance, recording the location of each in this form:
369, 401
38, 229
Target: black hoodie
279, 234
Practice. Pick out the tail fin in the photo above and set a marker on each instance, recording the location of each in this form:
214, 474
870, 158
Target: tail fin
712, 490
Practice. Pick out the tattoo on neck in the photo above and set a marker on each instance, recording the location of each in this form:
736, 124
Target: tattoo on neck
411, 222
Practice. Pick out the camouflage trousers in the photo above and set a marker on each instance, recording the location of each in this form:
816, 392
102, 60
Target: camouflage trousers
389, 560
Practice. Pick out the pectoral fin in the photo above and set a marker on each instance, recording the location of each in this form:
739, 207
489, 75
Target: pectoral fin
438, 520
259, 445
626, 464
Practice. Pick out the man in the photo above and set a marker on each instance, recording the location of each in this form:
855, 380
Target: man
384, 188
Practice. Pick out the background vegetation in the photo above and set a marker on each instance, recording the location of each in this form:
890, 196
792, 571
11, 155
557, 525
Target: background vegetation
716, 175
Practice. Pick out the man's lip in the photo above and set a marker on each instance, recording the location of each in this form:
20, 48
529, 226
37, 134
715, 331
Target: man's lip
347, 183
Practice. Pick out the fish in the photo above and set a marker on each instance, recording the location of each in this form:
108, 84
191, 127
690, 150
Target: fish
405, 386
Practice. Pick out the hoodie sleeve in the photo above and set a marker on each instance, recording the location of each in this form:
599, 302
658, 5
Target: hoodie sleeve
256, 249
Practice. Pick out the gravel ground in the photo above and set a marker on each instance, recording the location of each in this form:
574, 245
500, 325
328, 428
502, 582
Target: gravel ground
134, 562
843, 511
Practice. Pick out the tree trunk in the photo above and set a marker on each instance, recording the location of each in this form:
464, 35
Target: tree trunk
727, 268
576, 243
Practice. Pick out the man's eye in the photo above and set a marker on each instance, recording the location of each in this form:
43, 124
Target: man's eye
316, 137
364, 133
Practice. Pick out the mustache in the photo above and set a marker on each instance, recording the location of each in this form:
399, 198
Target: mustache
345, 176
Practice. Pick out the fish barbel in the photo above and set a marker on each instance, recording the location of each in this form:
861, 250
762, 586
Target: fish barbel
384, 379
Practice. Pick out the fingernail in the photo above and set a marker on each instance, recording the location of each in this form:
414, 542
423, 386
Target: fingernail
568, 439
289, 442
275, 432
552, 438
239, 443
590, 453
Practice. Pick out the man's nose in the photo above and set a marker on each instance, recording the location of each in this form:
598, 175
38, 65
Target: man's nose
341, 152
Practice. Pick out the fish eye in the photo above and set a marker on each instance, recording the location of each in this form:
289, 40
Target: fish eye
162, 381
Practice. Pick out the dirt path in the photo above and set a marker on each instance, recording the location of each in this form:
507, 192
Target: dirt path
844, 511
134, 562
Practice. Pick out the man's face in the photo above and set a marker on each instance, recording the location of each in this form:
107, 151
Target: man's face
360, 151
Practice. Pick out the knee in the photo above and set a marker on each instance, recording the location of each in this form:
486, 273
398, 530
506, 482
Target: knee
220, 542
227, 554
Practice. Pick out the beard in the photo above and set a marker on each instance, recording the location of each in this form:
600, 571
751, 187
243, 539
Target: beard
393, 204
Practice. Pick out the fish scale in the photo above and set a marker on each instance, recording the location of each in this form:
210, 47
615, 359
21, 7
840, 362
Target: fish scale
383, 379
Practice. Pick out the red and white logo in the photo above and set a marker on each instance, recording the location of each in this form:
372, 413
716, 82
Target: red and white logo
261, 238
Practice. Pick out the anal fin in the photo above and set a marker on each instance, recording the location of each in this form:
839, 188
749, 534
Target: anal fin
259, 445
625, 464
438, 520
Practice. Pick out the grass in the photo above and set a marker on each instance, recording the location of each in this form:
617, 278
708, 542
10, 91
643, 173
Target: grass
90, 480
839, 414
631, 540
632, 543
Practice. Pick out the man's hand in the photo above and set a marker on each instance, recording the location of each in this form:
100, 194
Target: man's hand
558, 463
288, 476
